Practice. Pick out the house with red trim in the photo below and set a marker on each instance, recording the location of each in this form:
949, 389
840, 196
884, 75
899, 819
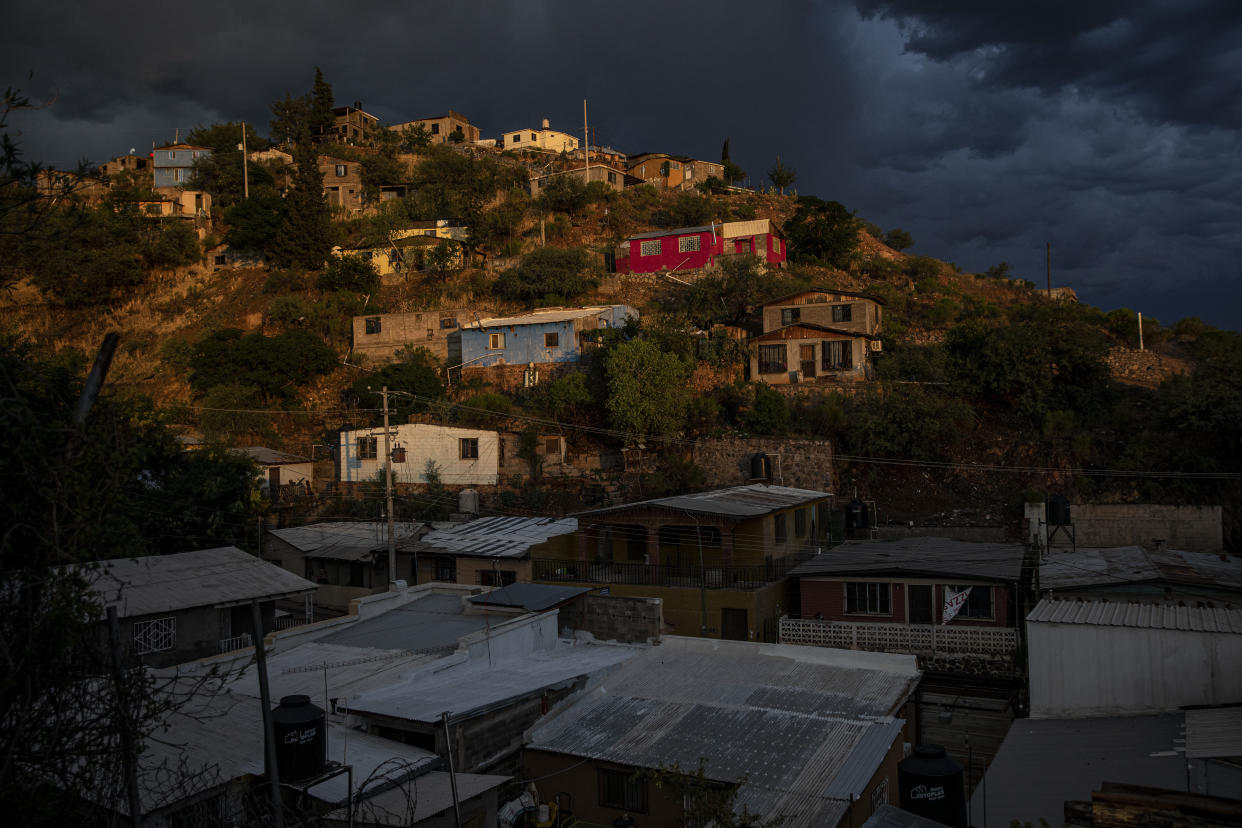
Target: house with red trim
692, 248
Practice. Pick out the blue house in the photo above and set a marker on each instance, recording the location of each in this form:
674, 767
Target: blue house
548, 336
173, 164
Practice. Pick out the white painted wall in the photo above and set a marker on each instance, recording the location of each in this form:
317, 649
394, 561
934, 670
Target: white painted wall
1082, 670
292, 473
423, 442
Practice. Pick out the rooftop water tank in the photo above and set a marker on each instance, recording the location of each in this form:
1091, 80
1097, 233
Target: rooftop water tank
468, 502
856, 516
1058, 510
930, 785
301, 738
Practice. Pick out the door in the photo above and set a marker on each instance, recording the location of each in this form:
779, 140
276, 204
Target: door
806, 355
733, 624
920, 603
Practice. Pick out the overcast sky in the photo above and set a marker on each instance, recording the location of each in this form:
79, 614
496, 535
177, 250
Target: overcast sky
1110, 129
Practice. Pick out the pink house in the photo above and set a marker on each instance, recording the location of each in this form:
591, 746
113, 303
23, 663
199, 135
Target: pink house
691, 248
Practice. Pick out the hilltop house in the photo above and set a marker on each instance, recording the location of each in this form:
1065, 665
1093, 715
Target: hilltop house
175, 608
407, 250
462, 456
125, 163
352, 124
691, 248
819, 334
672, 172
717, 559
508, 351
488, 551
382, 336
173, 165
342, 182
548, 140
612, 177
445, 128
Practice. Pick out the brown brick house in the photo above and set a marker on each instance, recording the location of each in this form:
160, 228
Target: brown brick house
817, 335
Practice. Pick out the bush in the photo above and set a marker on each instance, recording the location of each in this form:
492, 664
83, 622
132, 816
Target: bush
417, 373
923, 267
547, 271
744, 212
769, 414
349, 273
483, 410
274, 365
821, 232
898, 239
285, 281
564, 194
288, 311
687, 210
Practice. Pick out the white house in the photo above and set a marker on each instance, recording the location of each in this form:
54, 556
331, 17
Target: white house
462, 456
278, 468
544, 138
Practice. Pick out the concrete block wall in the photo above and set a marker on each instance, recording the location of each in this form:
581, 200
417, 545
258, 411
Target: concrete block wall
628, 620
1187, 528
803, 464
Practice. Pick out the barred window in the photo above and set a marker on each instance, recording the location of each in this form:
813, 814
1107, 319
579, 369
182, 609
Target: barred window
689, 244
650, 248
368, 448
772, 359
155, 635
373, 325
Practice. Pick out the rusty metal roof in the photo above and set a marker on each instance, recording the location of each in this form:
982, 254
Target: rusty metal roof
799, 724
1136, 615
1110, 566
748, 501
546, 316
270, 457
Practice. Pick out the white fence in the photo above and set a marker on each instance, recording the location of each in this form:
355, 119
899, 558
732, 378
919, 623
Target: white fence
237, 642
923, 639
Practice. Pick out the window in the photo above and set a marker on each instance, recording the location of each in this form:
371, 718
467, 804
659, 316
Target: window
431, 333
790, 315
534, 137
446, 324
836, 355
867, 598
800, 523
689, 244
623, 790
551, 340
373, 325
782, 531
342, 170
495, 341
156, 635
772, 359
516, 138
776, 244
468, 448
842, 313
446, 569
178, 174
650, 248
612, 178
879, 794
978, 602
552, 445
435, 129
368, 448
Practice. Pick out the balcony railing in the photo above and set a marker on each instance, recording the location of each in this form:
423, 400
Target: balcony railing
920, 639
636, 573
237, 642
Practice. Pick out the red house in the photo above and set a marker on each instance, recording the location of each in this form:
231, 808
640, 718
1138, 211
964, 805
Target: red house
691, 248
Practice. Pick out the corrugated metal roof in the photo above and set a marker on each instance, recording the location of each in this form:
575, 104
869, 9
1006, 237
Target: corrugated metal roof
432, 794
933, 557
787, 719
496, 537
204, 578
544, 317
433, 622
1073, 569
747, 501
343, 539
890, 816
754, 227
530, 597
676, 231
1214, 733
1144, 616
270, 457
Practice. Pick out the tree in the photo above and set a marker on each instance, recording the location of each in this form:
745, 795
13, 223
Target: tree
821, 232
379, 170
351, 273
255, 224
898, 239
647, 391
782, 176
564, 193
322, 103
732, 172
306, 234
416, 375
548, 271
272, 364
687, 210
415, 137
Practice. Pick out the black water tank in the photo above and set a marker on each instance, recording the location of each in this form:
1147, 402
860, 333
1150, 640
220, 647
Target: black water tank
760, 467
301, 738
1058, 510
856, 516
930, 785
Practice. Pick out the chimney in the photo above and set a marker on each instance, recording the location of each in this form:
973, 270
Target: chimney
546, 123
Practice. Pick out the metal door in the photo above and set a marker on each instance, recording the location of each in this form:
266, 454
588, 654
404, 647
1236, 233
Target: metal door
806, 355
920, 596
733, 624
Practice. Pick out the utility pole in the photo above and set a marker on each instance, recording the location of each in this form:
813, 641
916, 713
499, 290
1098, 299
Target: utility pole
1048, 246
1140, 321
245, 171
271, 765
392, 543
586, 147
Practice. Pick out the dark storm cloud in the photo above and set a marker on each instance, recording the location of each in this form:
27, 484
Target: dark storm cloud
1107, 128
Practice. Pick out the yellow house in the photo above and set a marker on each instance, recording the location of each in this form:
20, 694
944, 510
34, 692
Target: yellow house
548, 140
408, 249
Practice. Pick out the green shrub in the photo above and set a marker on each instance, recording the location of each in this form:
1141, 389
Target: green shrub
769, 413
349, 273
285, 281
547, 271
